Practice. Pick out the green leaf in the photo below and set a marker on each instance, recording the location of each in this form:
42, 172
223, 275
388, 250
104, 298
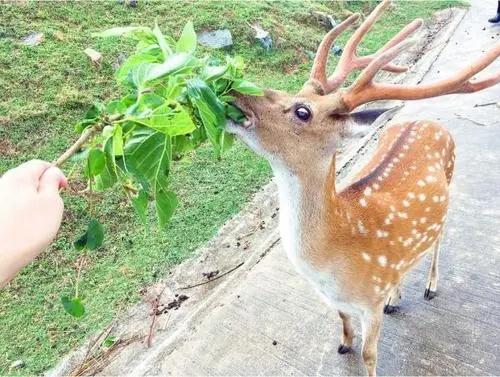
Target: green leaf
94, 111
141, 74
140, 203
109, 341
210, 109
148, 154
234, 113
95, 163
170, 121
115, 107
90, 117
122, 74
92, 238
108, 176
187, 40
118, 141
165, 48
166, 201
73, 306
211, 73
174, 63
95, 235
247, 87
83, 124
227, 141
119, 31
138, 75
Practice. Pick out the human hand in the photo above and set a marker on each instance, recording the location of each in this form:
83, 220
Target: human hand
30, 214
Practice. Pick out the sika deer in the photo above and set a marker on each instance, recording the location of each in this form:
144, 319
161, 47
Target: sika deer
356, 245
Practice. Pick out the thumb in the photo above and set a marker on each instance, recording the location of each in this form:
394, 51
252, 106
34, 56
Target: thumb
52, 180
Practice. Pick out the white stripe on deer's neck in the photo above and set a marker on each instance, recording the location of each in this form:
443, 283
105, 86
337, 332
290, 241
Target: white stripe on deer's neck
289, 191
294, 211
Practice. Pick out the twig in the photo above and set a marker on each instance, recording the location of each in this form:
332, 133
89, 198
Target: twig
104, 333
485, 104
84, 137
215, 278
154, 308
471, 120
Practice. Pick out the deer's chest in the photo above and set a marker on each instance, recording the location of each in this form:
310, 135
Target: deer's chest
291, 227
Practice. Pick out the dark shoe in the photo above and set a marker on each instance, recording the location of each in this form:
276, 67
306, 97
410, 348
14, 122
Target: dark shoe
495, 19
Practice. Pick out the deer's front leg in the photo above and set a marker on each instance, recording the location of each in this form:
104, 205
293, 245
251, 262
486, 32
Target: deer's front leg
347, 333
371, 322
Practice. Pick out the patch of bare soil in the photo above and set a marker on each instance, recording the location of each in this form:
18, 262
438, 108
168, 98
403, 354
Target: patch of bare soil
8, 149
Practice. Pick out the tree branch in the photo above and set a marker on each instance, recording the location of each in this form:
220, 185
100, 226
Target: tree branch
84, 137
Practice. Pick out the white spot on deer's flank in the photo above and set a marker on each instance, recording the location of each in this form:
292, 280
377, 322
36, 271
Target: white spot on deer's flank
430, 179
382, 260
421, 197
435, 198
421, 183
361, 227
376, 186
423, 220
382, 233
411, 195
366, 256
406, 203
403, 215
368, 191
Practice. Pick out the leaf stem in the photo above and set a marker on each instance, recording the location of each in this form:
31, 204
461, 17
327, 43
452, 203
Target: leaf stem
84, 137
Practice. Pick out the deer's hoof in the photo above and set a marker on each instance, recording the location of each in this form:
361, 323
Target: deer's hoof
429, 295
390, 309
343, 349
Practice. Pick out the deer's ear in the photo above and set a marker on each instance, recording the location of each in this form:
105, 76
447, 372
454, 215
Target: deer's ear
359, 123
366, 117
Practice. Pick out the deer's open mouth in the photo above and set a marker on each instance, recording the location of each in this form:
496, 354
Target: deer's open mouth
250, 120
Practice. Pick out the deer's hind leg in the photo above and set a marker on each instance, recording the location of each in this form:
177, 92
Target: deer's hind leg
347, 333
432, 279
391, 304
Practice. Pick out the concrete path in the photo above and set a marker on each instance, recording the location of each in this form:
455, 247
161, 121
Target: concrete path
269, 321
272, 323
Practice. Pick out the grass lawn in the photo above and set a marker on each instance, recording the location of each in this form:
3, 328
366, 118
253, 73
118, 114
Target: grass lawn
47, 88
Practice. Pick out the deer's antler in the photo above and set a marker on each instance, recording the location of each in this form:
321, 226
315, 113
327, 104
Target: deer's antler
350, 61
364, 90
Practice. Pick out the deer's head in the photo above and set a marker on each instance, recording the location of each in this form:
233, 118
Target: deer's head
301, 131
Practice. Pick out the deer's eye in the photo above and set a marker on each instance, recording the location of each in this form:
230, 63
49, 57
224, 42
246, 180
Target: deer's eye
303, 113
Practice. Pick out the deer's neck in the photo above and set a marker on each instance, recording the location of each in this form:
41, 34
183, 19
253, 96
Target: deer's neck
307, 203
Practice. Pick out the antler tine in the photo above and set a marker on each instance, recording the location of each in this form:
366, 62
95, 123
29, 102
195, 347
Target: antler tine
409, 29
345, 66
477, 85
365, 90
376, 65
318, 71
